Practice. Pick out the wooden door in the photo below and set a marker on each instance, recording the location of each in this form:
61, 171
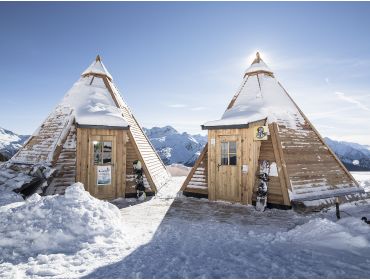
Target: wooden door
228, 168
102, 166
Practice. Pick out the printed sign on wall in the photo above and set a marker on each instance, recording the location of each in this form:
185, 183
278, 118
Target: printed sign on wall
260, 132
104, 175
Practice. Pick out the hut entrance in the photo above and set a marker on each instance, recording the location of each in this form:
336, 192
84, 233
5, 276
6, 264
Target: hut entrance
228, 169
101, 170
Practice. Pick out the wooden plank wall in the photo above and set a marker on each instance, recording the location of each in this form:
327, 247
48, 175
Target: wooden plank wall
83, 164
310, 164
65, 166
277, 192
42, 144
197, 180
130, 177
250, 152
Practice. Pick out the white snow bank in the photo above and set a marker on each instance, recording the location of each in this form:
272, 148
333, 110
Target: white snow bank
346, 234
8, 197
57, 224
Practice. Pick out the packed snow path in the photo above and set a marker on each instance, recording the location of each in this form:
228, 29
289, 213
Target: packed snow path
176, 237
189, 238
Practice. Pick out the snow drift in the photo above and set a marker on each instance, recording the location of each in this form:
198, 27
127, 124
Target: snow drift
56, 224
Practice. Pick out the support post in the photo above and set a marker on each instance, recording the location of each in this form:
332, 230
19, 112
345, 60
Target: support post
337, 211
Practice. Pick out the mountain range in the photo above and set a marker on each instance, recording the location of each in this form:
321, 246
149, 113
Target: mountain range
184, 148
175, 147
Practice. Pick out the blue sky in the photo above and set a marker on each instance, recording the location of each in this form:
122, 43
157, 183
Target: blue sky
180, 63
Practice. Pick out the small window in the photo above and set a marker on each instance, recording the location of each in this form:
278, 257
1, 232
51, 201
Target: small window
228, 153
102, 152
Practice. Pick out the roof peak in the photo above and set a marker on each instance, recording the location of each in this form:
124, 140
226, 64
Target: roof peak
257, 59
97, 67
258, 66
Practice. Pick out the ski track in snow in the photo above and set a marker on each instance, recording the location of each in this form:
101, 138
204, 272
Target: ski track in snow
170, 236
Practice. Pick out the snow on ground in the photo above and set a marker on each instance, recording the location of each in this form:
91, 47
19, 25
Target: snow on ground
363, 178
57, 235
170, 236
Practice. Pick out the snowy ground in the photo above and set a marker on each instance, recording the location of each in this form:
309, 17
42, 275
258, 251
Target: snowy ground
363, 178
176, 237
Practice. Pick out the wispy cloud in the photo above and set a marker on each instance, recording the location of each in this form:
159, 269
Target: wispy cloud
177, 105
352, 100
197, 108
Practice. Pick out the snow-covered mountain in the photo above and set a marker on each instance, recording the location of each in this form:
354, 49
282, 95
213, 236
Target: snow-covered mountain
175, 147
10, 142
354, 156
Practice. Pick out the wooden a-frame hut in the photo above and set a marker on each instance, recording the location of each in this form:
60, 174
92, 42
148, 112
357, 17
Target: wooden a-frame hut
304, 171
91, 137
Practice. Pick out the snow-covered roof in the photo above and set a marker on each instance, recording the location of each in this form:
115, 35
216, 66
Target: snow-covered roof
97, 67
258, 65
260, 97
93, 103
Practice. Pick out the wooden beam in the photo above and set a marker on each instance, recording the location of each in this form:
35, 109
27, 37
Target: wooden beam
281, 156
283, 182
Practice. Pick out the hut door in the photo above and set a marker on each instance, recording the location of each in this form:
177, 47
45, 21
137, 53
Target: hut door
228, 168
102, 166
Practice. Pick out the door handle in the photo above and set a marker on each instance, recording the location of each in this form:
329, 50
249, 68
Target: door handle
218, 166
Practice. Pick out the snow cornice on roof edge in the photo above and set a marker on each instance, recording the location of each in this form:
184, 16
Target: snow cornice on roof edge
97, 68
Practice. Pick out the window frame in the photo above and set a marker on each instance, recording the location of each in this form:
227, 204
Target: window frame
102, 152
227, 153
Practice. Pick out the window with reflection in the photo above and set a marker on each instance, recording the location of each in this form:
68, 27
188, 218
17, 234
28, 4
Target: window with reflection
228, 153
102, 152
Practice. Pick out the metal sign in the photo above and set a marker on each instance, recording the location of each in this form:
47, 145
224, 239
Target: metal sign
260, 133
104, 175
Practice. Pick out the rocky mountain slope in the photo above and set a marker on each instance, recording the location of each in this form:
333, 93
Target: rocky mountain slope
175, 147
354, 156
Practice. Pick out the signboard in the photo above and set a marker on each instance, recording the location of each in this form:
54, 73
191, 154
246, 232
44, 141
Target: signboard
245, 168
213, 141
104, 175
260, 133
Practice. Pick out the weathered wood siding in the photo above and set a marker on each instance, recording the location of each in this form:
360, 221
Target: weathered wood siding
277, 191
311, 166
249, 156
85, 161
197, 180
65, 166
43, 145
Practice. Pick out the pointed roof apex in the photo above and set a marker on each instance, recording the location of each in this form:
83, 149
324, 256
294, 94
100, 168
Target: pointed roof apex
257, 59
258, 66
97, 68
